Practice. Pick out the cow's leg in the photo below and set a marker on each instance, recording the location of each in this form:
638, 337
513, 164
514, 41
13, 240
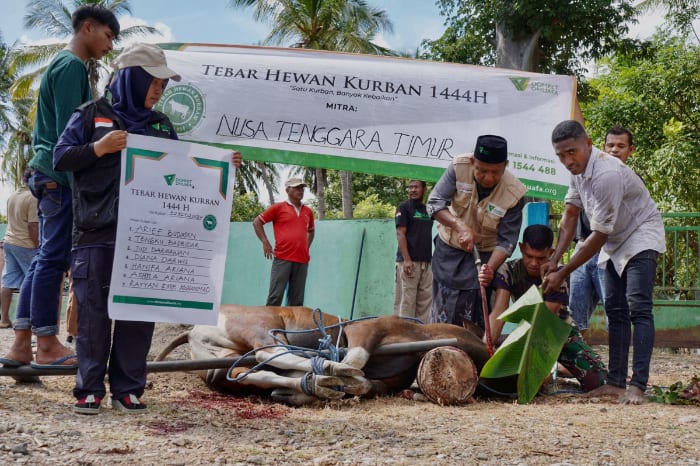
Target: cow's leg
316, 385
290, 361
356, 357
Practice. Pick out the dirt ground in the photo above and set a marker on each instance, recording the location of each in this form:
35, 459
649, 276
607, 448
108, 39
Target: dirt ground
189, 425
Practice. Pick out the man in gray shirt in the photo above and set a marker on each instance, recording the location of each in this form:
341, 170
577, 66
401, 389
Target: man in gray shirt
626, 224
478, 203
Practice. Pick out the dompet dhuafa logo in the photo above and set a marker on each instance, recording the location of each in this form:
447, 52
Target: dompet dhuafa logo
171, 180
185, 106
520, 83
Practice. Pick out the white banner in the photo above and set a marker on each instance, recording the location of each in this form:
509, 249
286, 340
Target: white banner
174, 217
390, 116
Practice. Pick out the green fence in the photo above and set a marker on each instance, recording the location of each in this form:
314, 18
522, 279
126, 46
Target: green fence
677, 288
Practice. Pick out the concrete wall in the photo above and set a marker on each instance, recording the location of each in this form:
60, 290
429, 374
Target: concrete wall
333, 277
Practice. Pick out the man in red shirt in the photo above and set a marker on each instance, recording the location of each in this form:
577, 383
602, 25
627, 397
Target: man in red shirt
293, 225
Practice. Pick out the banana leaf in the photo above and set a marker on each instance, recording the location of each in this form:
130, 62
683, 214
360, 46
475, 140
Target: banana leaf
531, 350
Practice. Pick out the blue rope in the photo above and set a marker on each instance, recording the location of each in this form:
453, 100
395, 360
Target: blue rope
326, 350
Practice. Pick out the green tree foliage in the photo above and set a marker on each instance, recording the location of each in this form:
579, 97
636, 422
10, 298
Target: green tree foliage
372, 207
555, 36
369, 207
388, 190
246, 207
657, 96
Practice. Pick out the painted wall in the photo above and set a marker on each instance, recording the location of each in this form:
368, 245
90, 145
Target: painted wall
333, 280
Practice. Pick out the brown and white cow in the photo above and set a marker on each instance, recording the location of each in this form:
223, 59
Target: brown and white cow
242, 329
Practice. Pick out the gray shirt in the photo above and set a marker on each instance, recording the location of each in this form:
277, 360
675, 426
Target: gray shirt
618, 204
455, 268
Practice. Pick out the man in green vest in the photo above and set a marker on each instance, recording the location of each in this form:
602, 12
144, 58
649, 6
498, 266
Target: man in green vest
478, 203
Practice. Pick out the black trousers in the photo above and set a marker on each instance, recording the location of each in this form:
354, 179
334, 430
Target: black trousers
124, 345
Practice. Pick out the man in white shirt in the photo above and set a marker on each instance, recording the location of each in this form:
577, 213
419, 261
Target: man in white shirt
626, 224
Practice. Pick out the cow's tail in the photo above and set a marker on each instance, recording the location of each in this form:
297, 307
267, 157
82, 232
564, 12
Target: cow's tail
178, 341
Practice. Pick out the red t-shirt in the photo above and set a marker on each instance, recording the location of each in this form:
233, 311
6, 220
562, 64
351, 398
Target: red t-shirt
291, 227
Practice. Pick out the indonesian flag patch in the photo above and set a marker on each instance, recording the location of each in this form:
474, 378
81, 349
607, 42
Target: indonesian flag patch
103, 122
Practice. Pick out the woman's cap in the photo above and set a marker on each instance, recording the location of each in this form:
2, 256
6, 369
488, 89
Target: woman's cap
149, 57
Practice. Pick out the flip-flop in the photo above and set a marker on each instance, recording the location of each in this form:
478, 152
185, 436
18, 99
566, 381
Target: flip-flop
57, 364
9, 362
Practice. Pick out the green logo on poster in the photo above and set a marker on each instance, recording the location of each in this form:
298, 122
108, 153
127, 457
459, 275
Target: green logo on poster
209, 222
520, 83
184, 105
170, 179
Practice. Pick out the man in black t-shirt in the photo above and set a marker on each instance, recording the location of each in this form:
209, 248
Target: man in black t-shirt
516, 276
414, 276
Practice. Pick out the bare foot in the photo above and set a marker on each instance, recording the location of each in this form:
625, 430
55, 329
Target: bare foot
605, 390
49, 349
21, 349
633, 396
5, 324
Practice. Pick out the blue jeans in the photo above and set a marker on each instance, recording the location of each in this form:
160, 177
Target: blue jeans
586, 289
629, 302
39, 298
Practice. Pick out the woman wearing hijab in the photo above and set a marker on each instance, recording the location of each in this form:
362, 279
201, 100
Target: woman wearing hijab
90, 148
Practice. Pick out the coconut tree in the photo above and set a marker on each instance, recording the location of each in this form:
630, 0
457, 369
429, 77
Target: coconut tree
15, 122
337, 25
5, 85
17, 148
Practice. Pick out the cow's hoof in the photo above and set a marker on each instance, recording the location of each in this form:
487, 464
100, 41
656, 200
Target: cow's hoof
328, 393
328, 381
292, 398
356, 385
342, 370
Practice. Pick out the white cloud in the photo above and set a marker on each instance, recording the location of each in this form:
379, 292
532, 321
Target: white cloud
380, 40
25, 40
166, 33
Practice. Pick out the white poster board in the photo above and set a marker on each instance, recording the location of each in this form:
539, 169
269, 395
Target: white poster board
383, 115
174, 216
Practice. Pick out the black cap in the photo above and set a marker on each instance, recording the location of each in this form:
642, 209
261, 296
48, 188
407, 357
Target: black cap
491, 149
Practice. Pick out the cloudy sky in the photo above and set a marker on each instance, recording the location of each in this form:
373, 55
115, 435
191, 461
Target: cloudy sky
212, 21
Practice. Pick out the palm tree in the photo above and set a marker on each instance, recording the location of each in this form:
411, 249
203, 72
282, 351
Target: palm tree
251, 171
15, 122
18, 147
337, 25
5, 85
